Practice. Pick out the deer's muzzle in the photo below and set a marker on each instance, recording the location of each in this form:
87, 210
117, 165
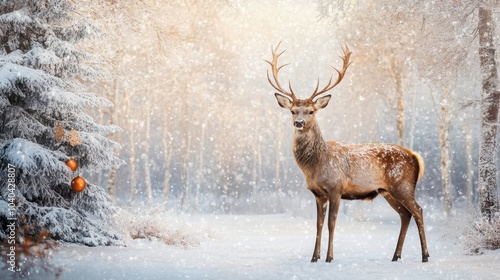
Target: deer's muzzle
299, 124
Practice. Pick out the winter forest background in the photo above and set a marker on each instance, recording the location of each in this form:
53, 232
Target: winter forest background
201, 130
174, 111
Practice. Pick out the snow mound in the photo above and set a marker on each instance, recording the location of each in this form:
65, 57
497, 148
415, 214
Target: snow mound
474, 233
156, 224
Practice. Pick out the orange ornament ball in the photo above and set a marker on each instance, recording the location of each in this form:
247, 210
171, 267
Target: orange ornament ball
72, 164
78, 184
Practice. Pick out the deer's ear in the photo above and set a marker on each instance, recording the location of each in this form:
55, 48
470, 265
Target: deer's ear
283, 101
321, 102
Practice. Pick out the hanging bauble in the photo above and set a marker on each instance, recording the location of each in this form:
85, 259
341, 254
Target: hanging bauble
78, 184
72, 164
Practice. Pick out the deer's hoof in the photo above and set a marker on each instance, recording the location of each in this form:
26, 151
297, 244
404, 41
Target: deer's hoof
425, 258
396, 258
314, 259
329, 259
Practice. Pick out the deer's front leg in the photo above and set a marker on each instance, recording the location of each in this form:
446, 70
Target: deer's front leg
321, 202
332, 219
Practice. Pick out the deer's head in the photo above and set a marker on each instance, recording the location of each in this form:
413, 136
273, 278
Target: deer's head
304, 110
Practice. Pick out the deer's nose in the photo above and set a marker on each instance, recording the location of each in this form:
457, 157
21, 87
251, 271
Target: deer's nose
299, 123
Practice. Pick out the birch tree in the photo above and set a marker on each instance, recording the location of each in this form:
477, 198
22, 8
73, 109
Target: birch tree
450, 29
490, 103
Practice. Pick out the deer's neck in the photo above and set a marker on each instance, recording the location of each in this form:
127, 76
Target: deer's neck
309, 147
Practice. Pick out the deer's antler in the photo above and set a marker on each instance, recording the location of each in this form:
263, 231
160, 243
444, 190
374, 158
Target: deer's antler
341, 73
275, 69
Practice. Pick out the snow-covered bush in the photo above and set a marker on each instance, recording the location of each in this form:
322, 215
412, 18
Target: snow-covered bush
155, 223
41, 74
475, 233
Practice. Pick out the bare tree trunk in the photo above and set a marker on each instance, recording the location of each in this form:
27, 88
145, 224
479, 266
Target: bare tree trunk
260, 166
285, 167
114, 120
133, 177
101, 175
167, 154
199, 173
470, 171
257, 157
490, 102
445, 159
254, 162
185, 153
147, 163
257, 165
413, 118
223, 171
131, 144
398, 79
112, 182
279, 142
441, 109
401, 118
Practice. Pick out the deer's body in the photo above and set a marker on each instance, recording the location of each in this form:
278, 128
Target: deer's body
356, 171
334, 171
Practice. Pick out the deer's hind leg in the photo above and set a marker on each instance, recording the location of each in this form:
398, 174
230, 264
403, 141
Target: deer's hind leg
405, 216
418, 215
407, 200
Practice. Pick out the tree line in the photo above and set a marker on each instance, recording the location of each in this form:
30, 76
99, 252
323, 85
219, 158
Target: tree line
198, 120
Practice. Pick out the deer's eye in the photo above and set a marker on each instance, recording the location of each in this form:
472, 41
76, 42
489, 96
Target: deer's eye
293, 112
311, 112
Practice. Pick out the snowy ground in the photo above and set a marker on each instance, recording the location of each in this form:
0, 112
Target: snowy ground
280, 247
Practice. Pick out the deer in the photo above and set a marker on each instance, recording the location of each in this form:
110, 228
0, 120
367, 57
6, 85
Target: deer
334, 171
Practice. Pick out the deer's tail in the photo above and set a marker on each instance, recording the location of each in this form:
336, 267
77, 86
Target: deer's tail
421, 165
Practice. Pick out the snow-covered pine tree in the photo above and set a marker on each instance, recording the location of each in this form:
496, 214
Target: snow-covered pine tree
42, 71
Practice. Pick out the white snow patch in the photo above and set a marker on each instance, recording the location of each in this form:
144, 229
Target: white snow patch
280, 247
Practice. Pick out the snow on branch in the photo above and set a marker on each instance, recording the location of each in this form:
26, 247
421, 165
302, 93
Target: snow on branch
97, 157
21, 124
17, 79
84, 123
45, 60
32, 157
61, 100
76, 31
71, 225
15, 20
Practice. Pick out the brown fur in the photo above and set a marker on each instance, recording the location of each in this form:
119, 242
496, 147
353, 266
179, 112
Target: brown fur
334, 171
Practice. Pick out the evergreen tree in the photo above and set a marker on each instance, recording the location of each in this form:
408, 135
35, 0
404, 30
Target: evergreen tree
42, 72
